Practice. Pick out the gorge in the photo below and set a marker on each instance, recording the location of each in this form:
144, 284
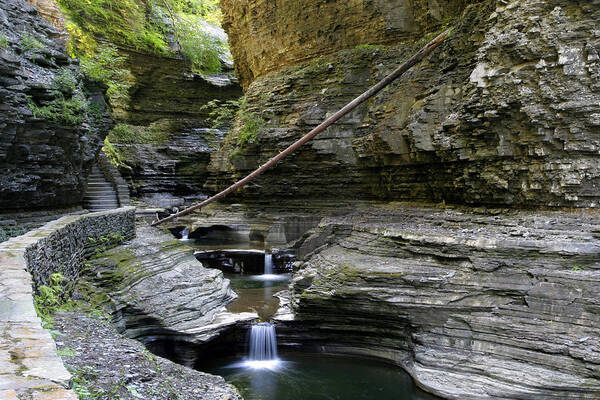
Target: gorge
442, 240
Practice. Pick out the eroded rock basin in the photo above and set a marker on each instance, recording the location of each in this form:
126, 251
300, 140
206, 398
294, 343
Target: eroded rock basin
474, 304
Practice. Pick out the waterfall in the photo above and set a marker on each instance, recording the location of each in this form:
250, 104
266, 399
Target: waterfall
263, 342
268, 264
184, 233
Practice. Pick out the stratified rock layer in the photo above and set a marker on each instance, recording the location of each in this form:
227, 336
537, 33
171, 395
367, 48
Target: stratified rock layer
167, 97
156, 290
42, 163
267, 35
474, 306
505, 112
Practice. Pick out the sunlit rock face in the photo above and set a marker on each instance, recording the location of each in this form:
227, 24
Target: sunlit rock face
504, 113
267, 35
43, 162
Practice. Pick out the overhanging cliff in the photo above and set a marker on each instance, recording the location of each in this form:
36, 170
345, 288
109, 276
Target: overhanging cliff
504, 114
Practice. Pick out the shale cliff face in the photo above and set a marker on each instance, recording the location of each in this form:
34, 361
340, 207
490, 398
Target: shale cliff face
167, 98
474, 306
51, 124
157, 292
505, 113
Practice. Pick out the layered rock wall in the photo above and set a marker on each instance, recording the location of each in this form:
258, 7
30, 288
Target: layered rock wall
473, 306
43, 163
503, 114
159, 294
268, 35
168, 99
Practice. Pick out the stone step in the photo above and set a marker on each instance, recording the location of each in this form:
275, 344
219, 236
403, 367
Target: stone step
100, 190
100, 194
103, 203
101, 200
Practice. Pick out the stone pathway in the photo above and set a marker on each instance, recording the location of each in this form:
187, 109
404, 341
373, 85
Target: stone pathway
29, 365
30, 368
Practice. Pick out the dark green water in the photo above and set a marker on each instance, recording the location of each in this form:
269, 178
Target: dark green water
319, 377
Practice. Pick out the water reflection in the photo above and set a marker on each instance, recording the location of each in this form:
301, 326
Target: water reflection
319, 377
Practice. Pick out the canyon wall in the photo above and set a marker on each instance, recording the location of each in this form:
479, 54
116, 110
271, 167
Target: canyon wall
473, 306
504, 113
51, 122
167, 98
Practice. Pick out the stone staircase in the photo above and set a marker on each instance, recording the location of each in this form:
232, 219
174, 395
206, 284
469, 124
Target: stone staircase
100, 194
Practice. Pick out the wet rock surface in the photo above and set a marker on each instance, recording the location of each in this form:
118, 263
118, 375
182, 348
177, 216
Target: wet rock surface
503, 113
473, 305
43, 163
156, 291
104, 363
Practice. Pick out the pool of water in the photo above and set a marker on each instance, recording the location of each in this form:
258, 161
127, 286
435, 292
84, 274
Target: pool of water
317, 377
255, 293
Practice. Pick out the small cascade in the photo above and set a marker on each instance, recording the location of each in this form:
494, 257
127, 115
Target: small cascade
185, 233
268, 264
263, 346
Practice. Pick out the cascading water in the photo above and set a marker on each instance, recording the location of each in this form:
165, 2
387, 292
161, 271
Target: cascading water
184, 233
262, 346
268, 264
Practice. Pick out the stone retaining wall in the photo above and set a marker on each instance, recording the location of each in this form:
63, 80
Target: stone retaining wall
29, 365
72, 239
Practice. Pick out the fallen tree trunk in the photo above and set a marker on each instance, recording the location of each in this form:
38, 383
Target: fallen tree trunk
424, 52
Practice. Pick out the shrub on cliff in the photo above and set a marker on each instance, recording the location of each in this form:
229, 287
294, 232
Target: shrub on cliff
147, 26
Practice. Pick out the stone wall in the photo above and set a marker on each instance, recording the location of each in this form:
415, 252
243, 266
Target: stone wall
31, 369
504, 113
73, 239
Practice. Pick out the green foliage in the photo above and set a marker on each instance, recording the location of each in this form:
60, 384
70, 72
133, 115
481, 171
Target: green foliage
103, 243
200, 48
51, 299
68, 106
3, 42
121, 21
209, 10
578, 268
82, 382
128, 134
113, 154
222, 113
247, 123
66, 352
137, 24
122, 133
250, 124
61, 110
66, 82
107, 66
30, 44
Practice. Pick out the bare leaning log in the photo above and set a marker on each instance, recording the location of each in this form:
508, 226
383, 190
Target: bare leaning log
411, 62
